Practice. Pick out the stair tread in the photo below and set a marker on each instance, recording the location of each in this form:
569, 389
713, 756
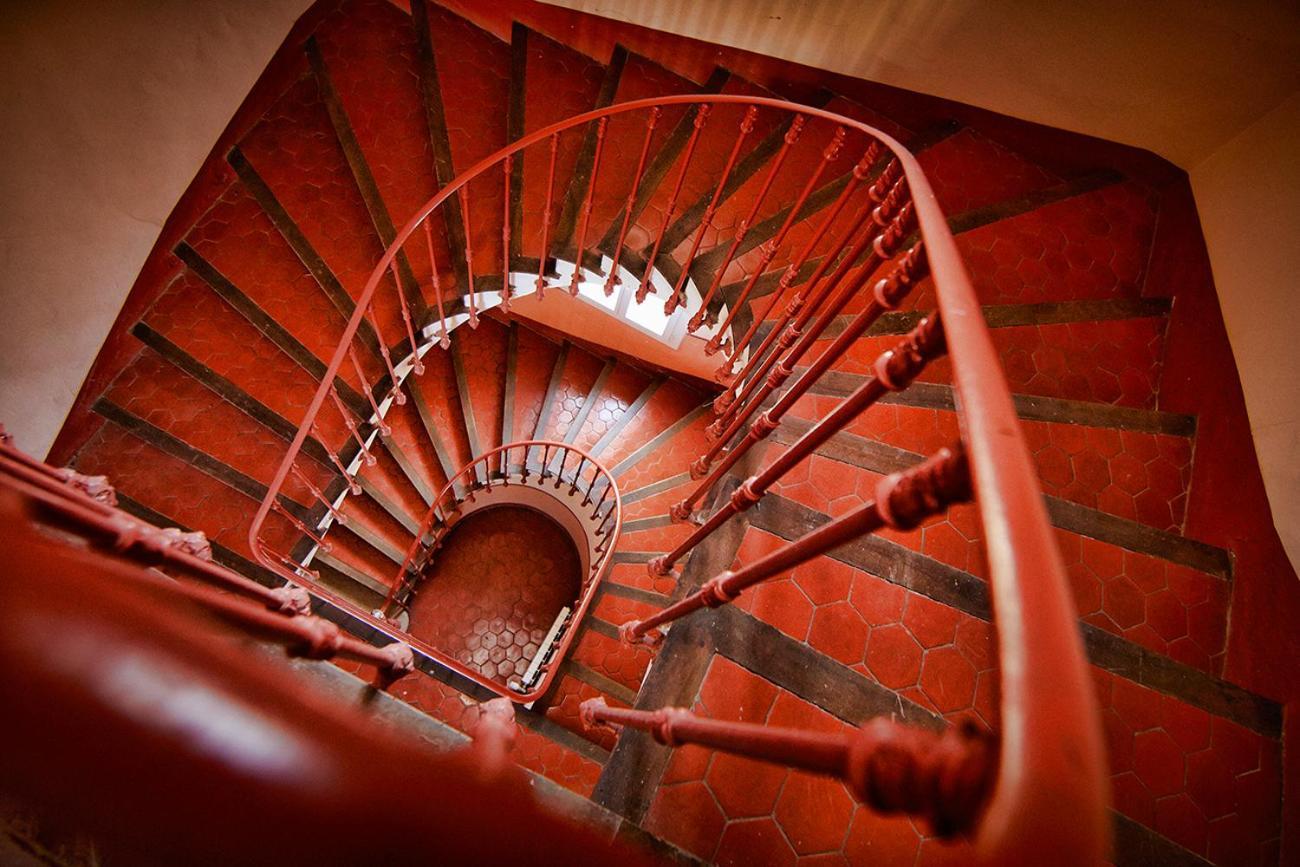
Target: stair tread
559, 82
473, 69
294, 150
1135, 475
168, 485
167, 397
481, 358
969, 170
581, 370
535, 359
621, 390
238, 239
1116, 361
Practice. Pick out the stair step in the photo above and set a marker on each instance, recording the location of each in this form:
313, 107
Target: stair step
172, 487
480, 359
529, 377
568, 394
368, 50
557, 83
472, 68
293, 161
152, 390
969, 170
1115, 361
434, 397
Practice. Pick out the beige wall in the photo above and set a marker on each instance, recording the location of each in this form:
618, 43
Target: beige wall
107, 110
1248, 195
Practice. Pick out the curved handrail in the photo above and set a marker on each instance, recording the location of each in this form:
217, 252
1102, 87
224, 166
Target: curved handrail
1050, 793
494, 469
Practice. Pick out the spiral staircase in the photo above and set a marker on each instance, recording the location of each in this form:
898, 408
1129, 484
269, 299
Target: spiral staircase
343, 317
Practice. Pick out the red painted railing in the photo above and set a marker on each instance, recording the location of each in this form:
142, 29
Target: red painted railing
1048, 790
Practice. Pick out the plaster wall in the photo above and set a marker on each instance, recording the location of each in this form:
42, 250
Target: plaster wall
1247, 194
107, 109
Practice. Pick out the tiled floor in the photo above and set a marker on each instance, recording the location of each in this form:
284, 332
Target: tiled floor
494, 589
735, 811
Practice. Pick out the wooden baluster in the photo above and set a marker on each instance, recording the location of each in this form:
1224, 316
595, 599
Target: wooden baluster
943, 777
469, 256
317, 493
546, 218
338, 464
443, 340
365, 387
612, 279
352, 427
701, 118
416, 364
677, 298
895, 370
770, 247
586, 205
276, 506
506, 290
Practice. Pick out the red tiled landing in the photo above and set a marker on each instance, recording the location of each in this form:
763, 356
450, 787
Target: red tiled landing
968, 171
239, 240
438, 390
296, 152
1135, 475
805, 156
735, 811
474, 79
1207, 784
1114, 361
173, 488
163, 395
369, 48
482, 354
1173, 610
494, 589
624, 136
716, 140
623, 386
1091, 246
533, 751
558, 84
666, 406
581, 370
936, 656
533, 364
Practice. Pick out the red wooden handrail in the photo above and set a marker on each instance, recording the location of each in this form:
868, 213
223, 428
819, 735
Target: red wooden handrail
1050, 789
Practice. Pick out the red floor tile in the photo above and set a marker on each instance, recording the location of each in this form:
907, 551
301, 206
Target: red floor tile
968, 171
494, 589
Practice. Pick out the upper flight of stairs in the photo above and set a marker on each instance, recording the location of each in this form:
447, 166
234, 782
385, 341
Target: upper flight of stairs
381, 107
